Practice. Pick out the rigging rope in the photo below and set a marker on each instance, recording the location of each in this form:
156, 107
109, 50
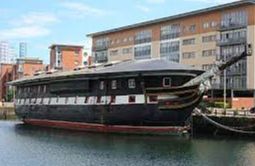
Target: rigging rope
221, 125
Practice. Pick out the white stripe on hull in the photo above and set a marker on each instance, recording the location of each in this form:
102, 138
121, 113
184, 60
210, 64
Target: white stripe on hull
92, 100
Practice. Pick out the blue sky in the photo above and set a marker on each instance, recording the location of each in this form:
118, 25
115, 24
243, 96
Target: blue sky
41, 23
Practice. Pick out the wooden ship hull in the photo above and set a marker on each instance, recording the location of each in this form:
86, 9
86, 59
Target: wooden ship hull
147, 96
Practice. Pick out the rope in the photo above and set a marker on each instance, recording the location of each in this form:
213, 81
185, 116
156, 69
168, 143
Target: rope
221, 125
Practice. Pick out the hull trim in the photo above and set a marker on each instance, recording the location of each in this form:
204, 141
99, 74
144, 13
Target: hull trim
124, 129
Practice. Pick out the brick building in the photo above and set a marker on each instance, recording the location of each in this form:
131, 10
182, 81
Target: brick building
65, 57
28, 66
23, 67
198, 38
7, 73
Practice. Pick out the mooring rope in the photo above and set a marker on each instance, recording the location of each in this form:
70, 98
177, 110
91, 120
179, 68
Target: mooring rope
198, 111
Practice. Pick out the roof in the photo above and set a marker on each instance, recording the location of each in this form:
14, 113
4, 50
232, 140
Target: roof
65, 45
174, 17
151, 65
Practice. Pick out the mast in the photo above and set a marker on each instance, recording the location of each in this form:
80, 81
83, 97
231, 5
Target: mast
219, 67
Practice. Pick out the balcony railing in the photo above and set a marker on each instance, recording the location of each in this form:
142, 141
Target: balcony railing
232, 41
231, 26
144, 40
169, 36
100, 47
101, 59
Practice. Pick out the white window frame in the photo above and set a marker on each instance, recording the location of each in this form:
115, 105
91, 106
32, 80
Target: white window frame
114, 84
131, 83
164, 82
101, 85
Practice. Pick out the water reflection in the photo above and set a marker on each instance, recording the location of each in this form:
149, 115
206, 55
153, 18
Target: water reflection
28, 145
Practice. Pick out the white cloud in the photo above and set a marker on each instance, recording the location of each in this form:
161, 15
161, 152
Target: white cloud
81, 9
36, 18
33, 24
143, 8
23, 32
156, 1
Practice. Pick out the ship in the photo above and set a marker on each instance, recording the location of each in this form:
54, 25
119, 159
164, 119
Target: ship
154, 96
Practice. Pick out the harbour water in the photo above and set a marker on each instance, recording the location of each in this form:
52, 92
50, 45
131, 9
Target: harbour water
24, 145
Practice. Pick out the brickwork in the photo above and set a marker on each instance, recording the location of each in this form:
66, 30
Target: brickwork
66, 57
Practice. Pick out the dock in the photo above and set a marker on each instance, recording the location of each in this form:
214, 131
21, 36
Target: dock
7, 111
242, 121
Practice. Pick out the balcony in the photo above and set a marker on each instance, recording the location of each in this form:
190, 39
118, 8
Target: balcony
143, 40
101, 59
170, 36
232, 41
100, 47
231, 26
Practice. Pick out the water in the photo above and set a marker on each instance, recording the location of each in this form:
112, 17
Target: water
34, 146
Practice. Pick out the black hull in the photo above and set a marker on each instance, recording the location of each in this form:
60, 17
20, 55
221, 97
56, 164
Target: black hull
136, 114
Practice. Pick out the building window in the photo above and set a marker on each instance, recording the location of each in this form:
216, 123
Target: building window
170, 50
207, 53
167, 81
188, 41
101, 85
131, 99
127, 50
114, 52
114, 84
130, 38
143, 52
170, 31
235, 18
210, 38
131, 83
192, 28
143, 37
102, 43
188, 55
206, 25
101, 56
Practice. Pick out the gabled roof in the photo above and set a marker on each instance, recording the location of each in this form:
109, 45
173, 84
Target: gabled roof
170, 18
140, 66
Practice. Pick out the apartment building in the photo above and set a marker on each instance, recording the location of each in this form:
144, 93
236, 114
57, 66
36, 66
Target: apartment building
199, 38
65, 57
28, 67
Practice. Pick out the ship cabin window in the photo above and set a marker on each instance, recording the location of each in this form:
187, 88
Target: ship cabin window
153, 98
101, 85
99, 99
131, 83
113, 99
44, 89
114, 84
131, 99
167, 82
